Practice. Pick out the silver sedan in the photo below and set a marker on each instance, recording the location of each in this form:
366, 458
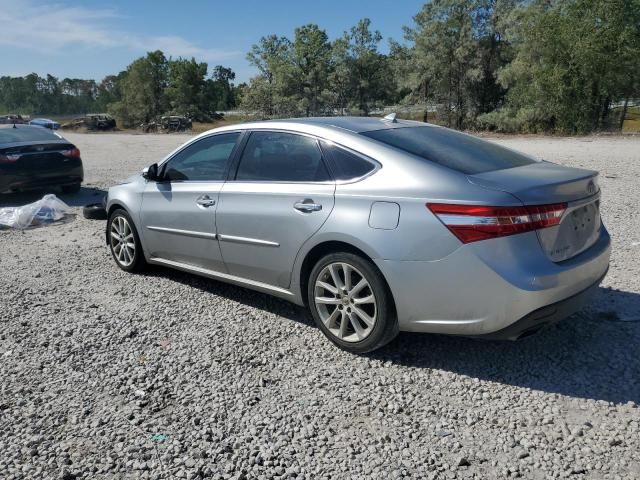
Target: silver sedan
375, 225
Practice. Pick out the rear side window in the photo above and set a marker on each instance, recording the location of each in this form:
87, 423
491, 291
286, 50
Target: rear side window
346, 165
281, 157
451, 149
26, 134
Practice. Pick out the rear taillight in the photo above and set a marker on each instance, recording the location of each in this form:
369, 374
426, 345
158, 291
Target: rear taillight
471, 223
72, 153
12, 158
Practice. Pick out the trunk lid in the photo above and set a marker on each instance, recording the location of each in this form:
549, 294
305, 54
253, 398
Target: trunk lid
38, 156
548, 183
540, 183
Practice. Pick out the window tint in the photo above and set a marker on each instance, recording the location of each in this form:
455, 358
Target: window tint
204, 160
281, 157
346, 165
452, 149
26, 134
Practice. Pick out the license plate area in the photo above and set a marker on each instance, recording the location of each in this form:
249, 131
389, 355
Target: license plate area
578, 230
584, 219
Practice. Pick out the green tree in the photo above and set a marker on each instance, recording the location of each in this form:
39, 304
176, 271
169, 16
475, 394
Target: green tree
108, 91
272, 57
220, 91
490, 20
445, 54
455, 49
372, 79
185, 91
312, 66
573, 59
340, 77
142, 90
414, 76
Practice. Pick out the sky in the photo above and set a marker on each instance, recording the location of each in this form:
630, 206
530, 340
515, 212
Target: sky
94, 38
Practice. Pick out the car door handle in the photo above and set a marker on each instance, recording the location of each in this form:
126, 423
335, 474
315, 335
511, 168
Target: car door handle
205, 201
307, 206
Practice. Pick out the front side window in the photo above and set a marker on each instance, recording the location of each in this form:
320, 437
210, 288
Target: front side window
281, 157
205, 160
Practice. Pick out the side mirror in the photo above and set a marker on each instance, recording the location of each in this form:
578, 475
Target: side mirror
151, 173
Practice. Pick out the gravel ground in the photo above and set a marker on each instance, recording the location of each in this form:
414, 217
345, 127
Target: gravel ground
164, 375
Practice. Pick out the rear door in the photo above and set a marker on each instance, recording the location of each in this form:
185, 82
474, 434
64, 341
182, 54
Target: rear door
280, 195
178, 214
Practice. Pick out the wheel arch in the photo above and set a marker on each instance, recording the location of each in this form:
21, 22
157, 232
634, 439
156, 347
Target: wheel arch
114, 205
326, 247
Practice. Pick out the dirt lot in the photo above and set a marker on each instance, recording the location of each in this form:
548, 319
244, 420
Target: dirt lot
164, 375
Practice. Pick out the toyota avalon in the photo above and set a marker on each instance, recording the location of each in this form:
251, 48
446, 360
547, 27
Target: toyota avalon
375, 225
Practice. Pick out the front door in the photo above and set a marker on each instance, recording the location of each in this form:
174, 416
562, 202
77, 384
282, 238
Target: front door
280, 196
178, 213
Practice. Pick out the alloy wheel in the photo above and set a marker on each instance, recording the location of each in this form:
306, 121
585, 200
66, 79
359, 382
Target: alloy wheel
122, 242
345, 302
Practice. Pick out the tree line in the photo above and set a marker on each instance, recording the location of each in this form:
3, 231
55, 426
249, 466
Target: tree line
507, 65
151, 86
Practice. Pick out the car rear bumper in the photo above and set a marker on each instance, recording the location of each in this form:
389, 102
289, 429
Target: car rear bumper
545, 316
487, 288
26, 181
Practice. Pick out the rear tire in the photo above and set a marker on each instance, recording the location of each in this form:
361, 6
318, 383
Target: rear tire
124, 242
75, 188
351, 303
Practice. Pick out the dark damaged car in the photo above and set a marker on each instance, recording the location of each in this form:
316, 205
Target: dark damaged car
34, 157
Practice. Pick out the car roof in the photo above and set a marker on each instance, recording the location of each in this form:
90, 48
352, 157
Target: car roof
353, 124
343, 131
329, 126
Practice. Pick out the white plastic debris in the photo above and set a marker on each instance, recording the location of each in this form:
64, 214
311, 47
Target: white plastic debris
46, 210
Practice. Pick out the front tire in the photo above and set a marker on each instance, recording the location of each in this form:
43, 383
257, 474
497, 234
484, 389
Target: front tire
124, 242
351, 303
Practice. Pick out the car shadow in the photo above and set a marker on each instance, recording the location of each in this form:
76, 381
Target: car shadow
250, 298
592, 354
85, 196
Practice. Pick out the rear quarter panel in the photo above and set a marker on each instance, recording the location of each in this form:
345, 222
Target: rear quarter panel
419, 235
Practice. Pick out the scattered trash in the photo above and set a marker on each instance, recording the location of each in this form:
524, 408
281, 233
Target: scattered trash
139, 393
160, 437
166, 344
47, 210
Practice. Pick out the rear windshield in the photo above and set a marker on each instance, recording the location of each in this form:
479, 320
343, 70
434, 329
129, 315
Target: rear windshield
452, 149
26, 134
